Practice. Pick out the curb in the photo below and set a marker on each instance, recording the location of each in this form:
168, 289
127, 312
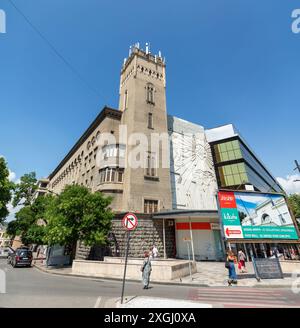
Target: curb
116, 279
152, 282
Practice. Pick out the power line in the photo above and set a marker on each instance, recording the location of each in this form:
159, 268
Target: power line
58, 54
297, 166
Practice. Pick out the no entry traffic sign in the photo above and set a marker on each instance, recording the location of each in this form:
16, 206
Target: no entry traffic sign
130, 221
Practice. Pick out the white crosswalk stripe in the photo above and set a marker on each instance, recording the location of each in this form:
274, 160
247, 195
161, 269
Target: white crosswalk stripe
243, 297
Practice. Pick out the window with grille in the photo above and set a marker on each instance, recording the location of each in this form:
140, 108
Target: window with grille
150, 206
110, 174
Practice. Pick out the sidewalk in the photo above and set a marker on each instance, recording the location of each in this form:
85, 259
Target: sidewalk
209, 274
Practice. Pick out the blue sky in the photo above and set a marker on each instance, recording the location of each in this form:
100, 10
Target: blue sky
228, 61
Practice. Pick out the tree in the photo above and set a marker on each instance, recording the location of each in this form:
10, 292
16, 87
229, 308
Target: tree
6, 188
29, 222
294, 202
12, 228
242, 216
25, 189
78, 214
34, 235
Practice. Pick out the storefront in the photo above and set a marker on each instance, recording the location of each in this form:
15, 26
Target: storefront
285, 251
198, 234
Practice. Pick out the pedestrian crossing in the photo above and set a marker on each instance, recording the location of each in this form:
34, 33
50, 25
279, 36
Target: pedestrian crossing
233, 297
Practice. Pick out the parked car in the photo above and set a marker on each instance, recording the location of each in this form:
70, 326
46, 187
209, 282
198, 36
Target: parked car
5, 251
21, 257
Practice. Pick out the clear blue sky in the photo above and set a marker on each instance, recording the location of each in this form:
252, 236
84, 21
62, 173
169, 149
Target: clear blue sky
228, 61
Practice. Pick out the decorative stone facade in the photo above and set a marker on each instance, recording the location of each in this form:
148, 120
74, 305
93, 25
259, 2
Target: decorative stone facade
193, 178
149, 232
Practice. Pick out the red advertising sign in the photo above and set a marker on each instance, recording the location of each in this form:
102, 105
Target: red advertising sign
227, 199
235, 231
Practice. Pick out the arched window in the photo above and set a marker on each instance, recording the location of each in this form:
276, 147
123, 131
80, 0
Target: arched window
265, 218
150, 93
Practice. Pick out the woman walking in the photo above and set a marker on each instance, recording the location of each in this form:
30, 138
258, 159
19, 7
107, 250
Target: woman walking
242, 260
231, 259
146, 270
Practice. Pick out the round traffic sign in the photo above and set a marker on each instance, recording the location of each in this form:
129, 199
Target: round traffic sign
130, 221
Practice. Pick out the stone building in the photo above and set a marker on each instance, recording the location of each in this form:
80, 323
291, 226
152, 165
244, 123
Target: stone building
115, 154
149, 163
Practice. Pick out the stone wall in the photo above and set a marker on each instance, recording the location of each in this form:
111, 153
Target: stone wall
113, 267
82, 251
149, 232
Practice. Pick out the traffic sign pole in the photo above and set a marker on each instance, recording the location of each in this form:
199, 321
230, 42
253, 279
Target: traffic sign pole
129, 222
126, 257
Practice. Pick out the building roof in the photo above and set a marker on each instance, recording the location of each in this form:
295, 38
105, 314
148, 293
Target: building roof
106, 112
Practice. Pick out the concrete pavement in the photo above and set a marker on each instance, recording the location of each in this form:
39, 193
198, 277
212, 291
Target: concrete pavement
31, 288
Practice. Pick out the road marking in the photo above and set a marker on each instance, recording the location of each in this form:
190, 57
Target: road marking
241, 300
231, 297
97, 302
238, 297
237, 289
233, 294
253, 305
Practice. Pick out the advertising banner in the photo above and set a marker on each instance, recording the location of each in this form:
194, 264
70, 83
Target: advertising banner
251, 215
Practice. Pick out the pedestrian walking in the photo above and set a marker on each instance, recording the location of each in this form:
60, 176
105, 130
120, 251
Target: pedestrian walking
154, 252
146, 270
230, 261
242, 261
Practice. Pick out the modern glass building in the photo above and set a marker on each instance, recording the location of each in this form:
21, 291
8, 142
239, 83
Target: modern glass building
236, 165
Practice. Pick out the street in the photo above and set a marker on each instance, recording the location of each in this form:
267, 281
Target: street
31, 288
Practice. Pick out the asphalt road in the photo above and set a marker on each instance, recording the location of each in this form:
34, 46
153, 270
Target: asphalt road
31, 288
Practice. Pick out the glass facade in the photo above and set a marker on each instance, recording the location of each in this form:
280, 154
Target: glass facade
237, 166
233, 174
228, 151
